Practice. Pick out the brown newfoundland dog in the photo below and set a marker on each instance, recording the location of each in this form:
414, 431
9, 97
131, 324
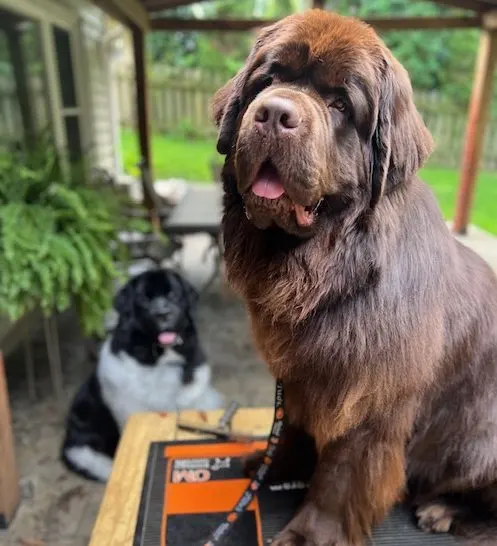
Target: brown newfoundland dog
382, 327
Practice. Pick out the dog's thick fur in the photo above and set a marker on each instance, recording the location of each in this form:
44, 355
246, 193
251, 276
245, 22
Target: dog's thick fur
382, 327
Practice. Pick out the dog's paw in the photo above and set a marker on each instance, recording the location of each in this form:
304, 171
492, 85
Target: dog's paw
312, 527
289, 538
436, 517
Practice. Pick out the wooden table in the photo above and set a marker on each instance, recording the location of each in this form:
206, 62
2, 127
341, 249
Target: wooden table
200, 211
116, 521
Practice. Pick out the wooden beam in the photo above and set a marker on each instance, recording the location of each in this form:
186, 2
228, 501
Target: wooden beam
9, 479
424, 23
162, 5
112, 11
128, 12
142, 112
383, 24
174, 23
478, 117
134, 11
471, 5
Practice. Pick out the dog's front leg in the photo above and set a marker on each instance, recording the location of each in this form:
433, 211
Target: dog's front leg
357, 480
295, 458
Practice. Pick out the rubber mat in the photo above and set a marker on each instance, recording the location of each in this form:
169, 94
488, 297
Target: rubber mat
189, 487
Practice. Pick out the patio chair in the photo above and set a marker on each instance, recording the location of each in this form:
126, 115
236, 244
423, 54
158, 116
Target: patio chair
198, 211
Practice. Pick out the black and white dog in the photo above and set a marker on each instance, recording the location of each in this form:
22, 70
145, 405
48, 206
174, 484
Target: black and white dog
152, 361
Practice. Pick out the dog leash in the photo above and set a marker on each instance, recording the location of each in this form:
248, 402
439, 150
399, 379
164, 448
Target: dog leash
223, 528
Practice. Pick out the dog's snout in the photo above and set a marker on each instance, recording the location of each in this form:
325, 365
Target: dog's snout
277, 113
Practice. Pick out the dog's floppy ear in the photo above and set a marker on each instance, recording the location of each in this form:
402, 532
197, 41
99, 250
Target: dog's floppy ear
401, 142
227, 101
188, 290
124, 299
226, 107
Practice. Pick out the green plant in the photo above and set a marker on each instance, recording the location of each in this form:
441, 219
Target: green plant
57, 232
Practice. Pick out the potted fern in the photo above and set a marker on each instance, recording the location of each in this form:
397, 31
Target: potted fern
57, 234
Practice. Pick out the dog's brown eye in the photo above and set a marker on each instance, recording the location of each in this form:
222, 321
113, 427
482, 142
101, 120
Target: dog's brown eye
338, 104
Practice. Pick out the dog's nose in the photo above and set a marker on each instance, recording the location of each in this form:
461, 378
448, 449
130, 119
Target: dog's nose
277, 113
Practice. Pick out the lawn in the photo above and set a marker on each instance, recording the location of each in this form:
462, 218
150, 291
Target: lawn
444, 183
173, 156
176, 158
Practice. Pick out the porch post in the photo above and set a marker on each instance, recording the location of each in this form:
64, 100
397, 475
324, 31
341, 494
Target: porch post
478, 116
9, 479
142, 113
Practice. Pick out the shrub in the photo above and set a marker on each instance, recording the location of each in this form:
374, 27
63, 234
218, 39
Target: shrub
58, 235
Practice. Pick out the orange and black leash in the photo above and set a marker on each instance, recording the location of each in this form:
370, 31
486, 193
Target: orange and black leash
220, 533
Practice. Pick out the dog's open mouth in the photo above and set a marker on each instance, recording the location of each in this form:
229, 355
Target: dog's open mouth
268, 185
168, 338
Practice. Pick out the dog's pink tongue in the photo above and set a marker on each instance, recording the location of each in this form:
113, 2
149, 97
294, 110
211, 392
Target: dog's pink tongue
267, 184
269, 189
167, 338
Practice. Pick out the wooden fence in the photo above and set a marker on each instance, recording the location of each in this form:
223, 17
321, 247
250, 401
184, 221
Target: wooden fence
180, 102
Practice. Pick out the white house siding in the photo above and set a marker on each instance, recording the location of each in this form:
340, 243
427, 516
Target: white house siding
99, 105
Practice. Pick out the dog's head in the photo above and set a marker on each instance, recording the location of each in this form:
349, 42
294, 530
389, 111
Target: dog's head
159, 302
321, 112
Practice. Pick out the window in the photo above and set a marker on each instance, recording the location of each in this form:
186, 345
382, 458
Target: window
34, 96
24, 108
70, 110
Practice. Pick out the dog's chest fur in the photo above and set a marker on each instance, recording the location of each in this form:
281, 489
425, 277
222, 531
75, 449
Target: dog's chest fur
129, 387
325, 410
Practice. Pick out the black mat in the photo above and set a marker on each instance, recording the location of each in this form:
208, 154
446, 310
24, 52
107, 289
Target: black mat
179, 488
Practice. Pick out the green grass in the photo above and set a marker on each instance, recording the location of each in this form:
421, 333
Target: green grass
174, 157
444, 183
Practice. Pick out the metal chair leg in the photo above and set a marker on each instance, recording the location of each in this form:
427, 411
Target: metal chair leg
54, 360
218, 260
30, 369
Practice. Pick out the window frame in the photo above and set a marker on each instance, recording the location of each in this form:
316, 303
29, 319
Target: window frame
48, 14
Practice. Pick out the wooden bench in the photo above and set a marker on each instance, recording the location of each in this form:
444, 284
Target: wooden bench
116, 521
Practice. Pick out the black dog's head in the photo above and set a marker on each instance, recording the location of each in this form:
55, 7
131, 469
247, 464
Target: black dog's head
157, 304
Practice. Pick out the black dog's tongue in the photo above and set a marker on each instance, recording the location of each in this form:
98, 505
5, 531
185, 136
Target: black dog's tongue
167, 338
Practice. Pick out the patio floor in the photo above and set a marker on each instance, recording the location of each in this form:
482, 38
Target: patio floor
482, 243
